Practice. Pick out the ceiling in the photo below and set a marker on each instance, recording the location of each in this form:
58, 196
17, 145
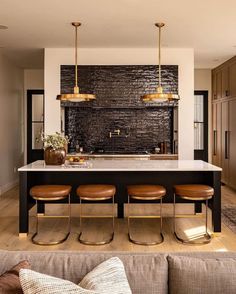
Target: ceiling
208, 26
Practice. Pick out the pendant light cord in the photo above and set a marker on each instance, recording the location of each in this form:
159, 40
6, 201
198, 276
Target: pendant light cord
76, 56
159, 55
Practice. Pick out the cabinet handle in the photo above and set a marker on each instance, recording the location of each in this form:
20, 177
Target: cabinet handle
226, 144
214, 143
227, 93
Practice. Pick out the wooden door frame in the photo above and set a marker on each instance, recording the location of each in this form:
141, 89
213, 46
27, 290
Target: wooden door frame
205, 94
29, 119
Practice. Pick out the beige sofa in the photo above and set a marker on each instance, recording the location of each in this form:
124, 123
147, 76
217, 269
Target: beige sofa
147, 273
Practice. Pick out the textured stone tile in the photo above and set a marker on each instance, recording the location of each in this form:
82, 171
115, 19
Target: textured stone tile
118, 106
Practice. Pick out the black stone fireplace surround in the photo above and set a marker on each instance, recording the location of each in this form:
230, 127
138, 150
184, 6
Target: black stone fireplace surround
118, 89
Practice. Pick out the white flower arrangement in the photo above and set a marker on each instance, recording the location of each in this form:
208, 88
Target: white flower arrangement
55, 141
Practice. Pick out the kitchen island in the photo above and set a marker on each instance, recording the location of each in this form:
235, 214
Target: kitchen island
120, 173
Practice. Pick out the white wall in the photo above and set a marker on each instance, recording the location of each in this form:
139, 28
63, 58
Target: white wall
33, 80
183, 57
11, 122
202, 81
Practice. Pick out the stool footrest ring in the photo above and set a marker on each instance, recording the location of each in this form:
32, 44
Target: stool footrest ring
206, 240
49, 243
151, 243
103, 242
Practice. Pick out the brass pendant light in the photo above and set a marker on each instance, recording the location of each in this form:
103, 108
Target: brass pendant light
159, 96
76, 96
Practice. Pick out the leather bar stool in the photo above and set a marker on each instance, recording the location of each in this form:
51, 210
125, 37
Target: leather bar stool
96, 193
51, 193
194, 192
145, 192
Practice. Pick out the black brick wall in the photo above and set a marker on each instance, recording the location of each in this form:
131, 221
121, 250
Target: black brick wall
118, 106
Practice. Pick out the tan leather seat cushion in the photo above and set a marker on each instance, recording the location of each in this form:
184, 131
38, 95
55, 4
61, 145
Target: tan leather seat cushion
146, 191
96, 191
50, 191
194, 191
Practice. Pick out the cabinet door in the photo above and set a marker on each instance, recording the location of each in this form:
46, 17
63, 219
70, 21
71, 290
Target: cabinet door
232, 83
225, 82
214, 96
216, 153
225, 142
218, 84
232, 144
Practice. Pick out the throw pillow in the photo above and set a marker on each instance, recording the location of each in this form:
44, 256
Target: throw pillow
36, 283
10, 282
196, 276
108, 277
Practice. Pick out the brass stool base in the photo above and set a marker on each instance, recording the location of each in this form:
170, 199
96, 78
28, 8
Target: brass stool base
103, 242
207, 237
38, 216
137, 242
42, 243
87, 242
207, 240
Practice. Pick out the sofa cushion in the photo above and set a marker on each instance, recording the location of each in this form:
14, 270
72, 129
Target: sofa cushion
146, 272
10, 282
108, 277
195, 275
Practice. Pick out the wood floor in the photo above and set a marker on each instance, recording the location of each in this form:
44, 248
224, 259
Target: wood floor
98, 228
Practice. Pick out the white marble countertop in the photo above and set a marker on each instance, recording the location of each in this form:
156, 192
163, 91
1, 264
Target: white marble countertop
125, 165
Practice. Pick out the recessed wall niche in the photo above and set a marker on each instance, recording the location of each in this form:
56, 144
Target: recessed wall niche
118, 105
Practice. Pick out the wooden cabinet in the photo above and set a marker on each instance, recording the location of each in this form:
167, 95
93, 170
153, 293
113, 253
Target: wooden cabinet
232, 79
224, 140
225, 82
222, 81
214, 85
224, 120
218, 84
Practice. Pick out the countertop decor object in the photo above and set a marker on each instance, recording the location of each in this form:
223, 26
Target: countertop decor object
76, 96
55, 148
54, 156
159, 96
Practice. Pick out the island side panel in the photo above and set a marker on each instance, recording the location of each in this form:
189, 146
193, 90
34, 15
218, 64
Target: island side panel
216, 202
23, 205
